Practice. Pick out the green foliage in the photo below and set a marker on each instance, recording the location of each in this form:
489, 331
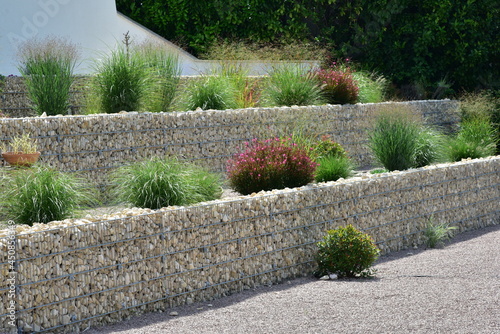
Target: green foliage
372, 87
241, 50
436, 234
484, 105
346, 252
476, 139
430, 147
394, 141
292, 85
326, 147
158, 183
378, 171
270, 164
332, 168
164, 73
210, 92
47, 66
121, 82
454, 40
42, 195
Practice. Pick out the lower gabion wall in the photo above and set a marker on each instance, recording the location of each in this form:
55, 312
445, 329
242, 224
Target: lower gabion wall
69, 275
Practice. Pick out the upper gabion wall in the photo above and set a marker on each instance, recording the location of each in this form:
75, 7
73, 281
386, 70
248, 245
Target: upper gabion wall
96, 143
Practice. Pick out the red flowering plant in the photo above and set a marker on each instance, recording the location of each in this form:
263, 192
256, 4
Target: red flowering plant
270, 164
338, 84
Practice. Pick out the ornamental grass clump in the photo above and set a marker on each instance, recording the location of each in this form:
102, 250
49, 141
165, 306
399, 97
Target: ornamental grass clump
346, 252
164, 73
292, 85
122, 81
215, 92
158, 183
270, 164
394, 140
43, 195
476, 139
338, 85
47, 66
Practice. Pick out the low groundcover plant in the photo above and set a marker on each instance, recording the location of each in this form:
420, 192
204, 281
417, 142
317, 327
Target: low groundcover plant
270, 164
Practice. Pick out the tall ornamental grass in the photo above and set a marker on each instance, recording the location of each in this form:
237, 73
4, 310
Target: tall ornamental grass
394, 140
42, 195
121, 81
210, 92
164, 71
47, 66
292, 85
476, 139
372, 88
158, 183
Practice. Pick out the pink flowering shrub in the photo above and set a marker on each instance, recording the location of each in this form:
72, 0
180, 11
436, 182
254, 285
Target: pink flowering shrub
338, 85
270, 164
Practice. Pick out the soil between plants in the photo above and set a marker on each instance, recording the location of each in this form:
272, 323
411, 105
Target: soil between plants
454, 289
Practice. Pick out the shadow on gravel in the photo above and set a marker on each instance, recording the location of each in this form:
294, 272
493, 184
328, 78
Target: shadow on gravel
199, 308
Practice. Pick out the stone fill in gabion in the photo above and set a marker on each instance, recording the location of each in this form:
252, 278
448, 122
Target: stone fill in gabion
80, 272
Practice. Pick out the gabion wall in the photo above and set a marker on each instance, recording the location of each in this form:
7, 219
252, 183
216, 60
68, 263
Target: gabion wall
95, 144
79, 273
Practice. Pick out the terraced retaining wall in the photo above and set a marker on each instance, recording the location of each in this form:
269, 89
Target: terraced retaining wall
95, 144
74, 274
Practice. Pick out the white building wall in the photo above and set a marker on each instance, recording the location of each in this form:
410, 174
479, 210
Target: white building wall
93, 25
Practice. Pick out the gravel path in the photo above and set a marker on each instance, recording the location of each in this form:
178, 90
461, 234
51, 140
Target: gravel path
455, 289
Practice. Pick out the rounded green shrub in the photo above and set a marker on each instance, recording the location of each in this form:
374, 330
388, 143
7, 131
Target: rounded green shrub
270, 164
158, 183
326, 147
41, 195
346, 252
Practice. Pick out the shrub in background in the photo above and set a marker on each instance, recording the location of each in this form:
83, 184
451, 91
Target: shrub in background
476, 139
394, 140
326, 147
292, 85
270, 164
338, 85
210, 92
346, 252
47, 66
158, 183
42, 195
121, 81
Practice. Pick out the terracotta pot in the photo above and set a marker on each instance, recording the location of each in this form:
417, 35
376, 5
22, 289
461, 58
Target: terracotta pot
21, 159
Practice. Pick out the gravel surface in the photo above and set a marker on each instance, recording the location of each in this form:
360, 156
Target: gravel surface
455, 289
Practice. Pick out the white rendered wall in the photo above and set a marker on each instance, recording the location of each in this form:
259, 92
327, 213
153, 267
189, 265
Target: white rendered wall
93, 25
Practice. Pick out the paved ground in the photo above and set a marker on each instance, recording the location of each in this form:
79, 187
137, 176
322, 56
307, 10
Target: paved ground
455, 289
